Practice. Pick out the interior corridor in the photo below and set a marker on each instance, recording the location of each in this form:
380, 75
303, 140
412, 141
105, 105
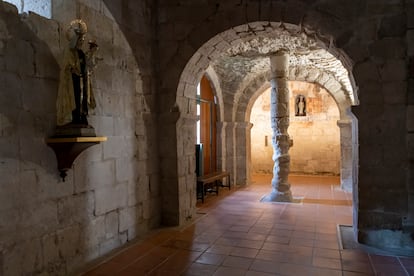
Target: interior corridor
236, 234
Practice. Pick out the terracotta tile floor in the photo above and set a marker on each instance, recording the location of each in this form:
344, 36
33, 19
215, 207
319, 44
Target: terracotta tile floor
235, 234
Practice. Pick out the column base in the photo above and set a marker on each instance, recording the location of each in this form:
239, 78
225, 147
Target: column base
278, 197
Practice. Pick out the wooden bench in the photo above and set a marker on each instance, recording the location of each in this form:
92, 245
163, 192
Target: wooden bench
209, 183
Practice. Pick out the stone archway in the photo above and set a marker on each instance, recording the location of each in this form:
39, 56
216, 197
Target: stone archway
347, 121
372, 35
243, 51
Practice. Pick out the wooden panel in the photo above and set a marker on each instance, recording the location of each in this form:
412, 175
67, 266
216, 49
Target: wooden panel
208, 126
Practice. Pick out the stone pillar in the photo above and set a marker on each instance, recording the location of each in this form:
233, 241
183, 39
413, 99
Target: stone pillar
346, 154
230, 150
279, 116
242, 139
221, 145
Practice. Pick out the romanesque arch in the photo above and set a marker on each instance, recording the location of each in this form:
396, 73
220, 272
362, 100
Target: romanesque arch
347, 122
243, 51
242, 68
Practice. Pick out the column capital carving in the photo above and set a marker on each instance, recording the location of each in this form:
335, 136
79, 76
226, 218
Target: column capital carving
279, 64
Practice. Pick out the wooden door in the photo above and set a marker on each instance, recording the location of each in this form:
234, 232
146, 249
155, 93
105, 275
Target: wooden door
208, 126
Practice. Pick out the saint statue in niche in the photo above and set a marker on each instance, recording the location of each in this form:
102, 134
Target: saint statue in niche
300, 105
75, 96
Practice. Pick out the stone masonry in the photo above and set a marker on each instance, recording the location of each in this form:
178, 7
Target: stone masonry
367, 37
316, 136
154, 54
111, 195
279, 122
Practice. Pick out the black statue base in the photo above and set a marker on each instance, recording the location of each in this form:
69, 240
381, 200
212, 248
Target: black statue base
75, 130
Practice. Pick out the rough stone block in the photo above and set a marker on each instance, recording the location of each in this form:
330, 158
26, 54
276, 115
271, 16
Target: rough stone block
11, 85
142, 188
410, 149
388, 48
386, 7
69, 241
356, 51
104, 81
394, 70
46, 30
24, 54
366, 71
110, 198
93, 233
23, 258
65, 11
294, 12
368, 93
37, 96
128, 217
395, 92
125, 169
271, 11
78, 208
410, 118
38, 218
410, 19
99, 174
109, 245
115, 147
124, 126
50, 250
97, 24
410, 43
12, 6
410, 91
111, 225
123, 82
392, 26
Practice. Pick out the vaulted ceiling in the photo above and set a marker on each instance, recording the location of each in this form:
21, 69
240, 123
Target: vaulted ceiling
247, 59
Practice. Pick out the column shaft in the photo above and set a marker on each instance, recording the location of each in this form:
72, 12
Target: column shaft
279, 117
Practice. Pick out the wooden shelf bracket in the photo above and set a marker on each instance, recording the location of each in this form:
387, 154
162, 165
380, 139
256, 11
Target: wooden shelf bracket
67, 149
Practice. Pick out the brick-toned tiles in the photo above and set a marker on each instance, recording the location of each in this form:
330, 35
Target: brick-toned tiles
236, 234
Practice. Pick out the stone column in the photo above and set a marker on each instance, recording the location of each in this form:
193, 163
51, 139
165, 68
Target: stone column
242, 134
221, 145
345, 126
279, 116
230, 150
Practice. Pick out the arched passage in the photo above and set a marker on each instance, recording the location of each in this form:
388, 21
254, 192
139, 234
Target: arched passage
347, 122
238, 58
315, 134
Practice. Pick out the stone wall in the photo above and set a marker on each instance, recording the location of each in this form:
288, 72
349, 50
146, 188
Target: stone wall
315, 149
111, 194
410, 112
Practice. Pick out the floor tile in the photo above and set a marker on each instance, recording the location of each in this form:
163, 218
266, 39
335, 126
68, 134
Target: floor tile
326, 263
211, 259
244, 252
326, 253
230, 271
265, 266
236, 234
237, 262
389, 269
